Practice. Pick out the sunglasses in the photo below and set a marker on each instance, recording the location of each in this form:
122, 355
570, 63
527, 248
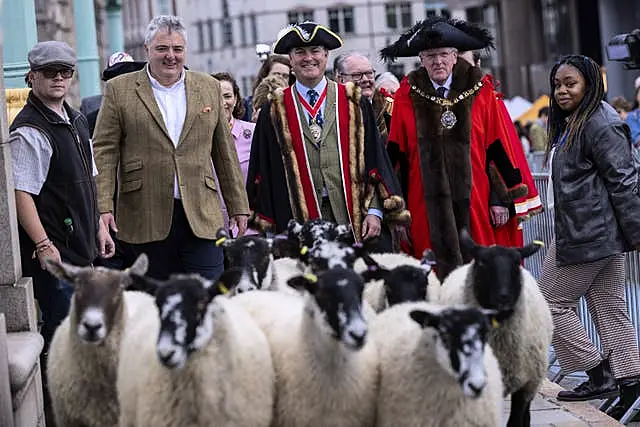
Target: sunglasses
50, 73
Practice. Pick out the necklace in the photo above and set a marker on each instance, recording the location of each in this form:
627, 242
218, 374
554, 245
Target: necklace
314, 127
448, 118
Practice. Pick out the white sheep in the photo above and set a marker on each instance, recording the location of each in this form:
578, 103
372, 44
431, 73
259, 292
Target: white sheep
375, 291
199, 360
496, 280
326, 369
435, 368
83, 357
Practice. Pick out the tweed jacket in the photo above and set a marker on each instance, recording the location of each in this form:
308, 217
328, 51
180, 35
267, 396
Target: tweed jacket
131, 136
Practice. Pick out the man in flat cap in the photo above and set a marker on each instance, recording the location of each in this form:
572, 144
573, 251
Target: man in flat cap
316, 151
53, 171
446, 134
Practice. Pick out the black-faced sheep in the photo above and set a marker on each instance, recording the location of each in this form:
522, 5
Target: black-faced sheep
496, 280
200, 360
435, 367
326, 368
83, 357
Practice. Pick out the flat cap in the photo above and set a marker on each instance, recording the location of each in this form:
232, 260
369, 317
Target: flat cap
44, 54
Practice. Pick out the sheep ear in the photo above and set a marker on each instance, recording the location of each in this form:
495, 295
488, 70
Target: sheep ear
140, 265
223, 238
466, 242
294, 227
308, 282
425, 319
144, 283
226, 283
62, 270
428, 260
531, 248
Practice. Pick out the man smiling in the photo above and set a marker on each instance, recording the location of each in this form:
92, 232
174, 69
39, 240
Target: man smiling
164, 129
316, 150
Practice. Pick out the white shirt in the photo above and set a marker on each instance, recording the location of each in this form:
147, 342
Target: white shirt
446, 85
31, 154
172, 102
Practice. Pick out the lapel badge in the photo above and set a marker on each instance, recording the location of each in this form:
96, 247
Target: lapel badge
246, 133
206, 109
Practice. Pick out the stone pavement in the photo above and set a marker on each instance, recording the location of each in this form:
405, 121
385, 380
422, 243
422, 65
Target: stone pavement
547, 411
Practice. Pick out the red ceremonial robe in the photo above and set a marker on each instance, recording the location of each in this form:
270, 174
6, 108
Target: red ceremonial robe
486, 129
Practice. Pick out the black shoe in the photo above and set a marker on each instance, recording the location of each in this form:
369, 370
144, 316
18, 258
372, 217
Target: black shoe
588, 391
629, 392
600, 385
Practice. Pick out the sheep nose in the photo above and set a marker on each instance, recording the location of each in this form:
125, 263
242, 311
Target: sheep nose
358, 337
165, 356
475, 389
91, 327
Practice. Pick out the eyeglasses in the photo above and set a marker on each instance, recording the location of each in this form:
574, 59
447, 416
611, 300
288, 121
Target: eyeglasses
433, 57
51, 73
356, 77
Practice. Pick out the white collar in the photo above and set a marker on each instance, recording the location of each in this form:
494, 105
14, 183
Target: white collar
156, 84
446, 85
302, 89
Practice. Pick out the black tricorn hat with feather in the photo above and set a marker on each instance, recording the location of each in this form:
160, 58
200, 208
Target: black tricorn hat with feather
438, 32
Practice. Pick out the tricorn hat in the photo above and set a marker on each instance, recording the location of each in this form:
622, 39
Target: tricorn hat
438, 32
306, 34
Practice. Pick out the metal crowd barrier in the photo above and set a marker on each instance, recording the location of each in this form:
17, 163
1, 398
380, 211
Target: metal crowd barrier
541, 227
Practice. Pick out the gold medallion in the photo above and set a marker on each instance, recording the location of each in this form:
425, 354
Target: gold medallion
316, 131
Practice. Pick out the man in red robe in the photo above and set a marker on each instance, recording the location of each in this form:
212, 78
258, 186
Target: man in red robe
450, 142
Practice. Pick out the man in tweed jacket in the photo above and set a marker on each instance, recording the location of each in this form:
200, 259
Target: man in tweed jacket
163, 129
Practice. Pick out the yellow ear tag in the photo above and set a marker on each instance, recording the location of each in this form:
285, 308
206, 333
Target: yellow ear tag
494, 323
539, 243
220, 241
311, 277
304, 250
222, 288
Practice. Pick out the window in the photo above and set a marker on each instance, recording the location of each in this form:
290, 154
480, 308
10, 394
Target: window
405, 15
254, 29
392, 18
556, 26
212, 45
163, 7
243, 34
200, 31
341, 20
436, 8
400, 10
298, 16
227, 32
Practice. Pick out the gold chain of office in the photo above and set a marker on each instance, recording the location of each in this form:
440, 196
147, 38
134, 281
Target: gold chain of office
445, 102
448, 118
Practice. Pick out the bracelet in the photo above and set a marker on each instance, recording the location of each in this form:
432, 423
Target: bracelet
41, 241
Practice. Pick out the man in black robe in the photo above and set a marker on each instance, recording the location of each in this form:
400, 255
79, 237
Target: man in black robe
316, 150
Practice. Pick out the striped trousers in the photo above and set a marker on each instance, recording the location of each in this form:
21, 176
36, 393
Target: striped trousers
602, 284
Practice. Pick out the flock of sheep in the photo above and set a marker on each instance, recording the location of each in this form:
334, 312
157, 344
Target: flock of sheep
308, 330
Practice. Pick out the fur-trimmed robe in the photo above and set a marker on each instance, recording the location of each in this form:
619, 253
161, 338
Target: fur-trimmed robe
278, 185
440, 165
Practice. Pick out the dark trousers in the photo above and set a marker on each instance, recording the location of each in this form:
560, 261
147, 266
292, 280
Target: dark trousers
124, 256
182, 251
53, 296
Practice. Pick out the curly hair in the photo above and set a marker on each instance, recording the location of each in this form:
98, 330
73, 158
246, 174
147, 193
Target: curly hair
573, 122
238, 109
265, 90
266, 69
